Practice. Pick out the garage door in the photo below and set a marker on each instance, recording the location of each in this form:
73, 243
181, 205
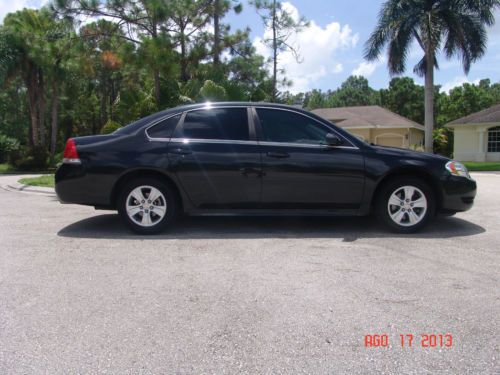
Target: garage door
390, 140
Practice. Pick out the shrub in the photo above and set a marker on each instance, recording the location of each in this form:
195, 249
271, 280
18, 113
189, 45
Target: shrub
58, 157
8, 147
440, 137
110, 126
36, 159
16, 156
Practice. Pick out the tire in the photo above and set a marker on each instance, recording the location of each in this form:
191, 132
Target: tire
405, 204
146, 216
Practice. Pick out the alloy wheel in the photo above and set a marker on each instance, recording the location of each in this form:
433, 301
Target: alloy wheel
146, 206
407, 206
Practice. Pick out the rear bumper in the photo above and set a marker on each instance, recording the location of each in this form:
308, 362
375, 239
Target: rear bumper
74, 185
458, 194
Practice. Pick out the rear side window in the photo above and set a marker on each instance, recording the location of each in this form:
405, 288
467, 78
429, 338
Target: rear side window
165, 128
290, 127
216, 123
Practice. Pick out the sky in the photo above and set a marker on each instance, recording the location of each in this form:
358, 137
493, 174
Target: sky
331, 48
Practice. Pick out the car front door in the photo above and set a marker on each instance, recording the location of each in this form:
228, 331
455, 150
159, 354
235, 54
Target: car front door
216, 158
300, 169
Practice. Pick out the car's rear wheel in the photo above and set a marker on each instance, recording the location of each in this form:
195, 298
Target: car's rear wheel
405, 204
147, 205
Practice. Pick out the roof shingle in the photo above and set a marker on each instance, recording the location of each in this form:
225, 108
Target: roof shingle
372, 116
487, 115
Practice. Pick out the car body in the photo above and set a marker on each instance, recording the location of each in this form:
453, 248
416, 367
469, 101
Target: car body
255, 158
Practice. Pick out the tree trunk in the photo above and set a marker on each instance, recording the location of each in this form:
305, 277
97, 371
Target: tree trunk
55, 105
31, 85
184, 62
156, 71
275, 55
429, 102
216, 34
41, 107
103, 108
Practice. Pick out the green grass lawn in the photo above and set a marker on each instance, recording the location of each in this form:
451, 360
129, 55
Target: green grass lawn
45, 181
482, 166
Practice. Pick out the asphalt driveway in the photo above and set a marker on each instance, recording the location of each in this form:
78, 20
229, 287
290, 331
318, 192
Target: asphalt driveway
81, 294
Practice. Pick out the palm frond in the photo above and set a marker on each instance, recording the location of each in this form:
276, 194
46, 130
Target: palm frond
456, 26
395, 29
464, 34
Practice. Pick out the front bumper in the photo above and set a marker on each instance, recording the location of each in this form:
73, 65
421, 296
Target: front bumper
458, 194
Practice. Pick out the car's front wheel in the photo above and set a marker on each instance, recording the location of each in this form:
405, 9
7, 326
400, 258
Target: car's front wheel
405, 204
147, 205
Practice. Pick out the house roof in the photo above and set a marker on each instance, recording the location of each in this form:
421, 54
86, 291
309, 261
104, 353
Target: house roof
487, 115
372, 116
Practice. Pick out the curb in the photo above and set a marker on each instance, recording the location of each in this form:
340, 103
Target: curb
30, 189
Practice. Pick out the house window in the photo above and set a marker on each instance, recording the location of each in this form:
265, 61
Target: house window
494, 139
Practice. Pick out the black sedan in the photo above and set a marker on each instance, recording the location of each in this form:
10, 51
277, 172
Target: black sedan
255, 158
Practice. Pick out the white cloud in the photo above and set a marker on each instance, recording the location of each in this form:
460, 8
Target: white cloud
366, 69
457, 81
318, 48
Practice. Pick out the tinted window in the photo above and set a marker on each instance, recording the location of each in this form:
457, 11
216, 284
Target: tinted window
290, 127
136, 125
164, 129
216, 123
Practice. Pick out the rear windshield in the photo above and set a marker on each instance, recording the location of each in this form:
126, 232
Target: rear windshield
136, 125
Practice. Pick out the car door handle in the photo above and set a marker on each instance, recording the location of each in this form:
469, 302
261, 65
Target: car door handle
180, 151
279, 155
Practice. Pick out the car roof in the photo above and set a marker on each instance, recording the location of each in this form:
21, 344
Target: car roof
136, 125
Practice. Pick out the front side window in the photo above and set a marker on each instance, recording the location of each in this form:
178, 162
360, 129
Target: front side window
216, 123
165, 128
289, 127
494, 139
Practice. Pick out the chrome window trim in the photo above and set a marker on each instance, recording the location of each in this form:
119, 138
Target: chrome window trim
215, 106
215, 141
157, 122
254, 143
312, 118
249, 142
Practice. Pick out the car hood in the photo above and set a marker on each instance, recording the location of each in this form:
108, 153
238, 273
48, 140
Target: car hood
405, 153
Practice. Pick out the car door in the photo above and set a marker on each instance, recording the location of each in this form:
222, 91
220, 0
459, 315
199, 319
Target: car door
216, 158
300, 170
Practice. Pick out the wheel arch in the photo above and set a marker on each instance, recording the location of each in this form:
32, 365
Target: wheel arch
410, 171
141, 173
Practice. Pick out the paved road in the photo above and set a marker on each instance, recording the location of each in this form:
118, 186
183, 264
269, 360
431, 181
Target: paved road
80, 294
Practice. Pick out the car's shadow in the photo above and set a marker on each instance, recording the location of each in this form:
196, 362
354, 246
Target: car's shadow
347, 228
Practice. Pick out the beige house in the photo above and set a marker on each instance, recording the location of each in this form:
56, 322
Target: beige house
477, 136
376, 125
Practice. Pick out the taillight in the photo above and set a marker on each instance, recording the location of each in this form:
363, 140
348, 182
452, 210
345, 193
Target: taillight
70, 153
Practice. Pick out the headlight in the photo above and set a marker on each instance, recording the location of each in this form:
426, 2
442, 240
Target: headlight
457, 169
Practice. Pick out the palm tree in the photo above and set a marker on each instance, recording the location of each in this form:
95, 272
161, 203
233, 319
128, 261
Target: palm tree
457, 27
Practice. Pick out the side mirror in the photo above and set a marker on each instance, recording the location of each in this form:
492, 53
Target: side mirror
333, 140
